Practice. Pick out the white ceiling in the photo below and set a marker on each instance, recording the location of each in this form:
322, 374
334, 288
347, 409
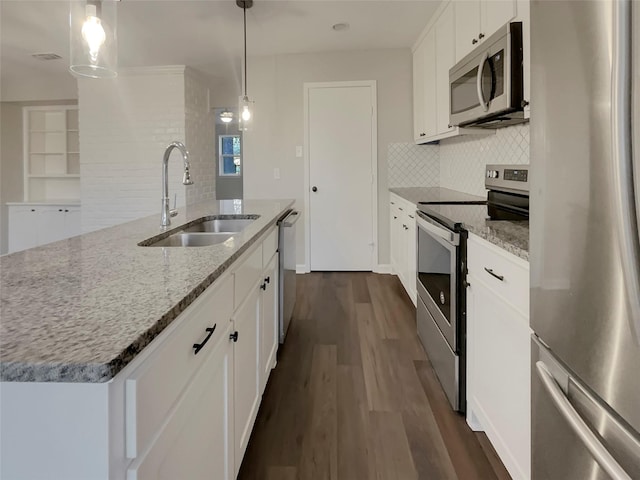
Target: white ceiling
205, 34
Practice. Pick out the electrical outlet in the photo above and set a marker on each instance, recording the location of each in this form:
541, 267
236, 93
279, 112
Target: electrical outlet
298, 151
276, 173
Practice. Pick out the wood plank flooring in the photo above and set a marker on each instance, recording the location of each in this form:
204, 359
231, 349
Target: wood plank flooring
354, 395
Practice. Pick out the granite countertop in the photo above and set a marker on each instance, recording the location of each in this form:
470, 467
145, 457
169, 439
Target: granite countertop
509, 235
79, 310
434, 194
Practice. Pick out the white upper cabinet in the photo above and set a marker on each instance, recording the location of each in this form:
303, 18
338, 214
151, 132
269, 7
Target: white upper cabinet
445, 59
430, 93
476, 20
418, 93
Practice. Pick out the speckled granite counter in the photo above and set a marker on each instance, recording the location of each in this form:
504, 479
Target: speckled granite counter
510, 236
434, 194
81, 309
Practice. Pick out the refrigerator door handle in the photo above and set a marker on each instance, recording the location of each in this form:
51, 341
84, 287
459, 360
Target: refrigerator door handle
621, 133
579, 426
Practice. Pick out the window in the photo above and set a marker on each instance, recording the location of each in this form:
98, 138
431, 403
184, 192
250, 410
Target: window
229, 154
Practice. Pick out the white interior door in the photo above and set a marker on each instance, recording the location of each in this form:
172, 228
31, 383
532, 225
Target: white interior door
342, 156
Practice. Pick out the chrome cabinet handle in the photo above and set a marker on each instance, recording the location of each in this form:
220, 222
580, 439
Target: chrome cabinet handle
490, 272
580, 428
198, 346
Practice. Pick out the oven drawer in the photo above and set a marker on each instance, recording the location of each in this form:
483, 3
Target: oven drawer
444, 361
502, 272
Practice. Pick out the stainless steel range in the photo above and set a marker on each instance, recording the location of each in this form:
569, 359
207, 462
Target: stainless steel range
442, 270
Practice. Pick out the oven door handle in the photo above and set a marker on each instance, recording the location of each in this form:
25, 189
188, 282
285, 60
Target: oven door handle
431, 227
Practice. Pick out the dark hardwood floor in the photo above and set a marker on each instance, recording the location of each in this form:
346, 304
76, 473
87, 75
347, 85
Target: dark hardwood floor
354, 395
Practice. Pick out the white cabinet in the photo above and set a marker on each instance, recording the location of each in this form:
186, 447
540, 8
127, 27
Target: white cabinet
269, 321
51, 153
476, 20
433, 56
197, 439
403, 243
35, 225
246, 362
498, 352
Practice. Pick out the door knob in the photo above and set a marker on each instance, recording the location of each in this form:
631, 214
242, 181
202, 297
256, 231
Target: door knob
314, 189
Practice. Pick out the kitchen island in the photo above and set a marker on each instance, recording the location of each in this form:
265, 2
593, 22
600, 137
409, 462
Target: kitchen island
98, 355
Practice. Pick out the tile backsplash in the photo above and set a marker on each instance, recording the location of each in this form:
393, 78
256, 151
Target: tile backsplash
463, 159
413, 165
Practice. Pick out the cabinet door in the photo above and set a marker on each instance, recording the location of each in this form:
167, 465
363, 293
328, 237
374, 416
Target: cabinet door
72, 222
418, 93
499, 390
411, 257
467, 21
395, 227
445, 59
430, 94
269, 330
51, 225
495, 14
197, 440
23, 228
247, 391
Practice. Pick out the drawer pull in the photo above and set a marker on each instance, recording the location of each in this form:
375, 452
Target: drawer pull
490, 272
234, 336
411, 216
267, 280
263, 286
198, 346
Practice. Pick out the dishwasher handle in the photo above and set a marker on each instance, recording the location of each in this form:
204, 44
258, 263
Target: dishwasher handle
290, 219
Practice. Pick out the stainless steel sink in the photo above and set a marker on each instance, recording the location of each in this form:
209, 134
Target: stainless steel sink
202, 232
221, 225
182, 239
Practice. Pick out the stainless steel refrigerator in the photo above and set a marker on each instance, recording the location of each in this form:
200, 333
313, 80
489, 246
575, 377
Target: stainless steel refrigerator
585, 241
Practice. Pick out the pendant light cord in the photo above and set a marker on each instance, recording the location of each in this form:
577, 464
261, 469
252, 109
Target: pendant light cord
244, 11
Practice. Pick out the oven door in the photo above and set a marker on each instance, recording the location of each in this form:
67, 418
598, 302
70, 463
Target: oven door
437, 275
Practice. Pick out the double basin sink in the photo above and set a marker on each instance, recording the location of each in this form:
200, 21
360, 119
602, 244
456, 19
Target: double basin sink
202, 232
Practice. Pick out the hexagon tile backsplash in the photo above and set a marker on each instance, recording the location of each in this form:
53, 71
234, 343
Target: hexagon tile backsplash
457, 163
463, 159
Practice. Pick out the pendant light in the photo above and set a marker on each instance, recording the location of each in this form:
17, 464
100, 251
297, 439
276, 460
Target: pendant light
93, 41
226, 116
245, 117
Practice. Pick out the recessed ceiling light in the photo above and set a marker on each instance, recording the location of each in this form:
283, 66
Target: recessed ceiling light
340, 27
46, 56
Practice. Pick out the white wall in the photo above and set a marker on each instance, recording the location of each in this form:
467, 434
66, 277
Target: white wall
200, 138
276, 85
125, 125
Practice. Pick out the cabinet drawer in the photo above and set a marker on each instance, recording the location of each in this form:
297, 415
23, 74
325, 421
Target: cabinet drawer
247, 274
152, 389
269, 247
483, 259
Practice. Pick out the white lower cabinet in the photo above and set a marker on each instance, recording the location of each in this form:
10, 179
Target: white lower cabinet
34, 225
183, 408
498, 353
197, 439
402, 224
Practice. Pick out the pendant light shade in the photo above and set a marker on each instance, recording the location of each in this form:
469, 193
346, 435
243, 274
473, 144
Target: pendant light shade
245, 106
226, 116
93, 38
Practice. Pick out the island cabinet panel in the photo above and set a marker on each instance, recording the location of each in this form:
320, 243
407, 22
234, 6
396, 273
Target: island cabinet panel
151, 391
247, 274
247, 392
269, 322
269, 247
196, 441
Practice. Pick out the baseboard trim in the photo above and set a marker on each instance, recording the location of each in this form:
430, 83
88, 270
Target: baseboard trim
384, 268
302, 269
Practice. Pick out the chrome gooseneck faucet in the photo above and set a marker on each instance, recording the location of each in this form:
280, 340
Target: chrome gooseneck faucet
186, 180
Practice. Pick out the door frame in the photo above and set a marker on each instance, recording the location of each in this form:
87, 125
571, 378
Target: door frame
374, 165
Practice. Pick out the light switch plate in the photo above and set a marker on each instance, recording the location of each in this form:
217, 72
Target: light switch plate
276, 173
298, 151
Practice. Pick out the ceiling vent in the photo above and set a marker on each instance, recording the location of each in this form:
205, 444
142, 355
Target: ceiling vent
46, 56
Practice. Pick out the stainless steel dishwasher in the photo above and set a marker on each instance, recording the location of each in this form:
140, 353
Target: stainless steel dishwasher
287, 267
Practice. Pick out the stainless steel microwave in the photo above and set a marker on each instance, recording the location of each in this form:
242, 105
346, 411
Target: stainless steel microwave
486, 86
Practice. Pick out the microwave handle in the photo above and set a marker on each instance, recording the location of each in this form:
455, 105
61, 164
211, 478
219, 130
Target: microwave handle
483, 103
